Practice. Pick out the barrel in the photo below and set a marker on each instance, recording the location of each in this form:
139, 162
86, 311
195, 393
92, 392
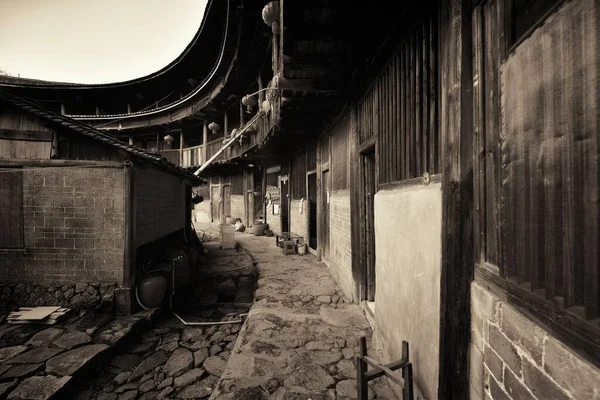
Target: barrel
258, 229
152, 289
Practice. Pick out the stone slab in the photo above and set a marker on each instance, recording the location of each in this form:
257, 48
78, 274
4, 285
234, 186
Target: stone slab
21, 371
38, 387
45, 337
73, 339
41, 354
73, 360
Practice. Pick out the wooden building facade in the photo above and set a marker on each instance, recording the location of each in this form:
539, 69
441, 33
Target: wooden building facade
455, 193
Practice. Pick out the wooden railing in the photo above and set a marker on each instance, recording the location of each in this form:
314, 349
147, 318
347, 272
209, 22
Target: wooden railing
192, 156
171, 155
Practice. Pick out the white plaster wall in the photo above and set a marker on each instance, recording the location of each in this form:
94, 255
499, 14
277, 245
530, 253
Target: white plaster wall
408, 223
299, 218
202, 211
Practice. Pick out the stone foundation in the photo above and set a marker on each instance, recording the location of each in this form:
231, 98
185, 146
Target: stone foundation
74, 296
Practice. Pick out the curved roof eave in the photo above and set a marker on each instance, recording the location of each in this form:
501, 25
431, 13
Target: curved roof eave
11, 81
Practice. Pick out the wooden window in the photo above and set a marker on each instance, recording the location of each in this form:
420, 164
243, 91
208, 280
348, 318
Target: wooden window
401, 109
339, 155
524, 15
11, 209
299, 177
537, 217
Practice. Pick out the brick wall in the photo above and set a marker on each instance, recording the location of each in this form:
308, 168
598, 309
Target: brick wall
513, 358
299, 218
238, 209
340, 253
73, 228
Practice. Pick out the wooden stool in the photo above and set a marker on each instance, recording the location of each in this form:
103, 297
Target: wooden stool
289, 247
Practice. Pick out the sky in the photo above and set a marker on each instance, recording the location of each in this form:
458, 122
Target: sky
91, 41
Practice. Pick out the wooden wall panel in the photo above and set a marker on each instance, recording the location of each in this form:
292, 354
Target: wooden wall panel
298, 177
550, 166
339, 155
160, 205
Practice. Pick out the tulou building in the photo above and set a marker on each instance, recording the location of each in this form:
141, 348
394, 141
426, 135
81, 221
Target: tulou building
441, 160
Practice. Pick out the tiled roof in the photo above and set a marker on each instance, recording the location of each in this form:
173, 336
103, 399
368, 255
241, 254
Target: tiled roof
89, 131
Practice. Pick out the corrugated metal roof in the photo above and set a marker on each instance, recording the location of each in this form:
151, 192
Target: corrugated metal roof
89, 131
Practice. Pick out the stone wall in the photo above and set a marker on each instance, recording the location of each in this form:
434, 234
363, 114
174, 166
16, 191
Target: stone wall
339, 259
408, 246
513, 358
299, 218
74, 296
73, 228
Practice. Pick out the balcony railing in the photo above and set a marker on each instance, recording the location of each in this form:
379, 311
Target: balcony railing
171, 155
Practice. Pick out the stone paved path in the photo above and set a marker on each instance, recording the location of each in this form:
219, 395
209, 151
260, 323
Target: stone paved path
300, 337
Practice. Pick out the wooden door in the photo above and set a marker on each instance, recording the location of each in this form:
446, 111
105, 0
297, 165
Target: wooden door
215, 198
325, 193
312, 210
227, 200
368, 222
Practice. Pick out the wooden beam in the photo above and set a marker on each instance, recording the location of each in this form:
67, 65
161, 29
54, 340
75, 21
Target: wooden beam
33, 136
457, 197
306, 85
17, 162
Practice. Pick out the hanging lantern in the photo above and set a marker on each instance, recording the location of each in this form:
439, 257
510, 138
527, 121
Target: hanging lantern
270, 14
169, 139
266, 106
214, 127
249, 102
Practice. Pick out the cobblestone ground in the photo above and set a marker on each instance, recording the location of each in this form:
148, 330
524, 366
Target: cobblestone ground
300, 337
170, 361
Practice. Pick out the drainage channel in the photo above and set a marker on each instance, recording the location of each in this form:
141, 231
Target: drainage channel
186, 351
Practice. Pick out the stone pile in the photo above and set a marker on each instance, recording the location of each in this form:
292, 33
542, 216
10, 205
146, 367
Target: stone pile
39, 362
168, 362
74, 296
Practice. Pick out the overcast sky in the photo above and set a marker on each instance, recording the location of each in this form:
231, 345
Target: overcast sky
90, 41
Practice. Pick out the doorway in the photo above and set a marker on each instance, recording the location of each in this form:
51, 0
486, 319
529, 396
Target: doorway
227, 201
312, 210
368, 223
284, 203
325, 193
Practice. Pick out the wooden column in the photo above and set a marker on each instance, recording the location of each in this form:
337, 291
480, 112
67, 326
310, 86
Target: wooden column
225, 125
457, 197
128, 244
181, 148
241, 114
157, 142
355, 223
131, 140
261, 94
204, 141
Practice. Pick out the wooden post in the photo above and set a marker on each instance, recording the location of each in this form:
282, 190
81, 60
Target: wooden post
204, 141
355, 223
361, 370
225, 125
188, 213
261, 94
128, 246
241, 114
264, 191
457, 197
131, 140
181, 148
128, 108
54, 149
62, 109
157, 142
